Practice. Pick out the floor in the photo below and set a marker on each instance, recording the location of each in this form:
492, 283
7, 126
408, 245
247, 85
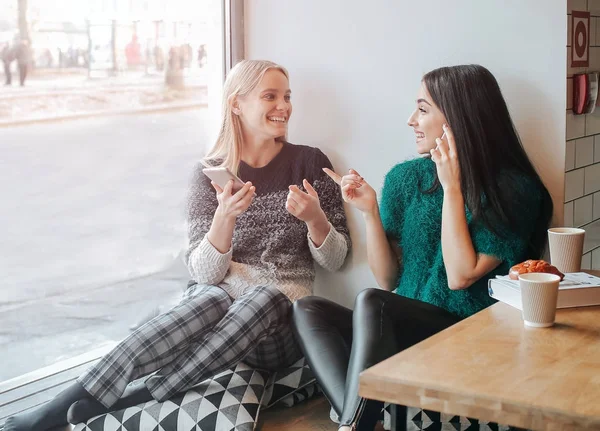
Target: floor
312, 415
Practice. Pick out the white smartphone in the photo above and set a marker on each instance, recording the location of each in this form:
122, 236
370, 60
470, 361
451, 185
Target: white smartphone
221, 176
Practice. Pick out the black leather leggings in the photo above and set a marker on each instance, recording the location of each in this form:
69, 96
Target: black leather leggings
339, 343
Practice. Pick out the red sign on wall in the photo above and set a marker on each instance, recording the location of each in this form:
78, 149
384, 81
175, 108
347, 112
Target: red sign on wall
580, 36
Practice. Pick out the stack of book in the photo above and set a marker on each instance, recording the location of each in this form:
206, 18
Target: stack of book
578, 289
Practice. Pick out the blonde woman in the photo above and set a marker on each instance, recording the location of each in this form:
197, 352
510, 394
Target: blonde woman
251, 255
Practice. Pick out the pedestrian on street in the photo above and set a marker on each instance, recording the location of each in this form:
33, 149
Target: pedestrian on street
7, 55
251, 255
201, 55
23, 56
159, 58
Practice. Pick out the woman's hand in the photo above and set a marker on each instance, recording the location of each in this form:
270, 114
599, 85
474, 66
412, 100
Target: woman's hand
355, 190
232, 205
446, 161
305, 206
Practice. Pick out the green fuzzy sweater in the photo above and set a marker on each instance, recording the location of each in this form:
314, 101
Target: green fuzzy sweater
413, 219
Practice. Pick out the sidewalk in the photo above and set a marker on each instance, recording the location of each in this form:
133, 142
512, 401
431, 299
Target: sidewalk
79, 321
64, 96
94, 231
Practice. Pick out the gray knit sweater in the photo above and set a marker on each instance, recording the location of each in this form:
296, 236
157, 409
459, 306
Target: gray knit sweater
270, 247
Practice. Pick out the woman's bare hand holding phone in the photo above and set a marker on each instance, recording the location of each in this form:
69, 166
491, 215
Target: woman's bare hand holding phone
229, 208
446, 161
232, 204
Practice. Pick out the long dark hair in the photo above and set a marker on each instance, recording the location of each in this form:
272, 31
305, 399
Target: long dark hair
488, 146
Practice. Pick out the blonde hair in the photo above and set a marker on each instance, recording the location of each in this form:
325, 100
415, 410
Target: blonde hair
241, 80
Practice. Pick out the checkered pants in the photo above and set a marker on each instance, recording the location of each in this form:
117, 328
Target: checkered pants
206, 333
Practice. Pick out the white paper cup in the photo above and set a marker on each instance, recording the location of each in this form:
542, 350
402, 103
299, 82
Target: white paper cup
566, 248
539, 294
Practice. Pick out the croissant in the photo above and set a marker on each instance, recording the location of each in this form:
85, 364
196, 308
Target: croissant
533, 266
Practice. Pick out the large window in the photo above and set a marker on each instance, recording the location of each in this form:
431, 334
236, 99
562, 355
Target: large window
93, 207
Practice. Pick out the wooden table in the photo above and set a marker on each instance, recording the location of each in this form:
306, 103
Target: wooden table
491, 367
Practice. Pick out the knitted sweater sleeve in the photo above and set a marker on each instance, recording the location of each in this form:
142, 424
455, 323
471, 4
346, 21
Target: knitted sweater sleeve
332, 253
205, 263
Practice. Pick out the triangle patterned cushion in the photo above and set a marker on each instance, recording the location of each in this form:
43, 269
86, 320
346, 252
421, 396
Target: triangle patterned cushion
292, 385
229, 401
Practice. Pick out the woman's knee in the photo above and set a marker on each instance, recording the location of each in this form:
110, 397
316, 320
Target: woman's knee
309, 304
308, 309
371, 303
208, 297
368, 298
275, 307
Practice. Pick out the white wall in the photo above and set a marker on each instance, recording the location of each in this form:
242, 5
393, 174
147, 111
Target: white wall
356, 67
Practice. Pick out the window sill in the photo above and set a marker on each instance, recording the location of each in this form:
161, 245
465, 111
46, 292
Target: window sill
33, 389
